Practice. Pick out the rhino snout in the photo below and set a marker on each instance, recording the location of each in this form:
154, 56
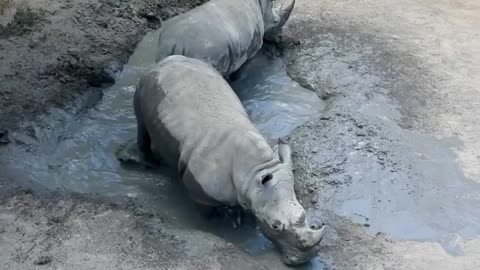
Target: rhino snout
314, 236
295, 255
297, 243
309, 234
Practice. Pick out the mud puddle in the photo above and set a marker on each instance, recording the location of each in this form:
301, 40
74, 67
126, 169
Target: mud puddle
415, 190
77, 153
359, 163
274, 102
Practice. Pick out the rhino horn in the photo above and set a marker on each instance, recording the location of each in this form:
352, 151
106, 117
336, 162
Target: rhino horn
311, 237
284, 13
317, 236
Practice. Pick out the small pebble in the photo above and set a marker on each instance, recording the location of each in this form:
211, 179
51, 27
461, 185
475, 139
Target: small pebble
42, 260
4, 137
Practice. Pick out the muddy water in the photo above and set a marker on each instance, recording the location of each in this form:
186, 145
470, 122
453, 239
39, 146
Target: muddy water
424, 195
275, 103
73, 153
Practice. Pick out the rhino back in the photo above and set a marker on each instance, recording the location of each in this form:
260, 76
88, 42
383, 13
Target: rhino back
190, 110
223, 33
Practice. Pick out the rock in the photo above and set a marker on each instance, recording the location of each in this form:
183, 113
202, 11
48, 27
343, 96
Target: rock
74, 52
150, 16
42, 260
36, 39
53, 220
4, 139
103, 71
111, 70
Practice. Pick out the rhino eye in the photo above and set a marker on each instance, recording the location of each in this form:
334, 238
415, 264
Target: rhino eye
266, 178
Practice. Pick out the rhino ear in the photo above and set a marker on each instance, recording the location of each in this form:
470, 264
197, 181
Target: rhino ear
285, 153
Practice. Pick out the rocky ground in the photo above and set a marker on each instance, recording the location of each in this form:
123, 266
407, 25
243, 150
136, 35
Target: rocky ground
395, 150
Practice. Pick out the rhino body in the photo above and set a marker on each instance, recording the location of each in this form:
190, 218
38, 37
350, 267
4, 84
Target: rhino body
190, 118
223, 33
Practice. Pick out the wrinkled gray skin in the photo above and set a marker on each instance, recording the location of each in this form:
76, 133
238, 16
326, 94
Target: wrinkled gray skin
223, 33
190, 118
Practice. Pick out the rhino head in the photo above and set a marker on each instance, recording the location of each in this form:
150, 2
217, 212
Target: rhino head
274, 19
271, 197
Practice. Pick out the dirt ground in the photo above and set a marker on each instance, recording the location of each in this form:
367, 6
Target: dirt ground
59, 231
50, 51
392, 164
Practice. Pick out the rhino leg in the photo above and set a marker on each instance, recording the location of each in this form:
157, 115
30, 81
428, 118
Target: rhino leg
139, 152
130, 154
234, 216
208, 212
195, 190
143, 139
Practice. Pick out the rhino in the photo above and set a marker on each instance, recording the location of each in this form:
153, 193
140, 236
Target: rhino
189, 118
223, 33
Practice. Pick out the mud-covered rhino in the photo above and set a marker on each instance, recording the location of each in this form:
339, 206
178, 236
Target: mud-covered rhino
223, 33
190, 118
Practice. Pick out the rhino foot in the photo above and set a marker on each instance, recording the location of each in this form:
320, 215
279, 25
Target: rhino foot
130, 154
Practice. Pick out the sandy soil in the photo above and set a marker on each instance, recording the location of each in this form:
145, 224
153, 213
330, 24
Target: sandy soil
400, 80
